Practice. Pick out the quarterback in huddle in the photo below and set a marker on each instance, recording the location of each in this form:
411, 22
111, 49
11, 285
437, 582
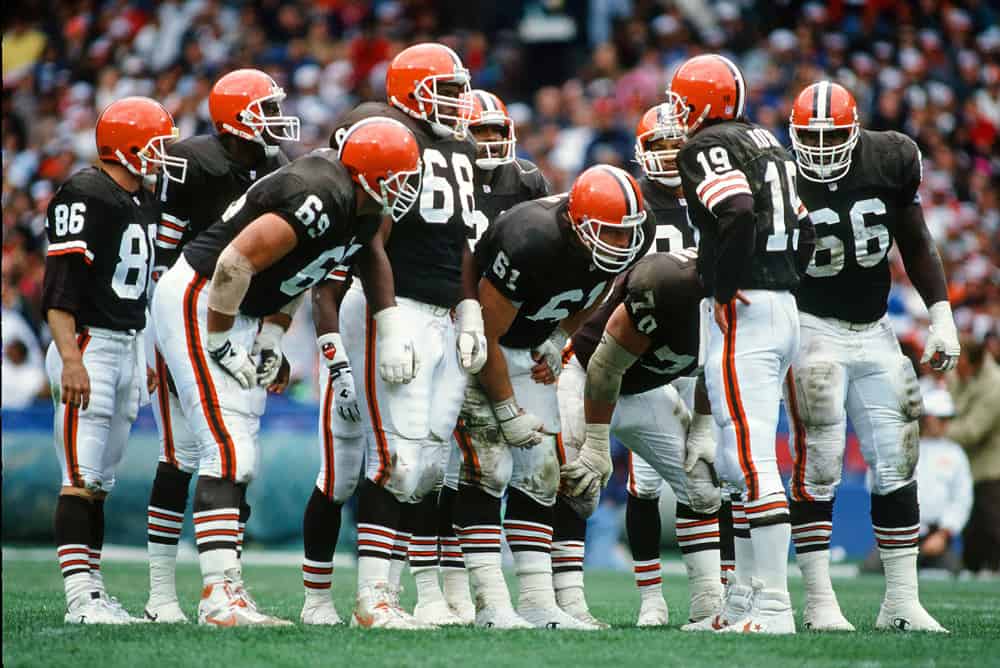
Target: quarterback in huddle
481, 341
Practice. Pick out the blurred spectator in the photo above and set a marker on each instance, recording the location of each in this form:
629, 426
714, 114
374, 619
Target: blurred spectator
944, 485
976, 427
23, 378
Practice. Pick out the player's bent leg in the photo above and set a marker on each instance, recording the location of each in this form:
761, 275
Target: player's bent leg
569, 539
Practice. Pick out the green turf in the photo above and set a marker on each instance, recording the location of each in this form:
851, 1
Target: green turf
34, 633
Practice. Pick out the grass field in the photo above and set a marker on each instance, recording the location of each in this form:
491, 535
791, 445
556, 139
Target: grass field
34, 633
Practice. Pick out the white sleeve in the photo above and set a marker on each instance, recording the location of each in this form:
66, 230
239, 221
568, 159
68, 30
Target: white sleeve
956, 514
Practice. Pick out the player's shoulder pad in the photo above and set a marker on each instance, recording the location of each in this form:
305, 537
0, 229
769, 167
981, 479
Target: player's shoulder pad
673, 275
890, 157
360, 113
529, 233
87, 185
532, 177
205, 156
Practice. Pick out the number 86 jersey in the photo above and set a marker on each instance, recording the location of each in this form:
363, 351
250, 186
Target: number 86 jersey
315, 195
855, 219
100, 249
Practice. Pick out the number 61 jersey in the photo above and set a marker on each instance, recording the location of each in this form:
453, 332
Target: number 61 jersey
100, 248
855, 219
315, 195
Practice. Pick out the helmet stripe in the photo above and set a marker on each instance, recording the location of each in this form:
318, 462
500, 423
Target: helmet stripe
741, 89
823, 99
631, 201
486, 100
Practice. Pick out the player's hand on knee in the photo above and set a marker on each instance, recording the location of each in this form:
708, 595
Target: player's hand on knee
334, 355
519, 428
267, 348
942, 348
398, 361
592, 467
233, 358
700, 442
550, 353
471, 342
284, 377
75, 384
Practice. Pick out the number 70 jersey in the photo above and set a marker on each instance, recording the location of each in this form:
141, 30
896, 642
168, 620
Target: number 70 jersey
740, 158
315, 196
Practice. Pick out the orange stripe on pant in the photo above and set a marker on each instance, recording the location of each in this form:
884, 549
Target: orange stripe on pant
371, 394
328, 438
631, 477
71, 423
735, 404
163, 398
560, 450
203, 378
799, 492
469, 455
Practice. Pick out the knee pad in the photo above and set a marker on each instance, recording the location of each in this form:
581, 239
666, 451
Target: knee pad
537, 472
404, 475
819, 404
911, 403
702, 489
345, 485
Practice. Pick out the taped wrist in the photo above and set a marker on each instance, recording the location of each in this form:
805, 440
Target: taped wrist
269, 336
701, 425
607, 365
469, 316
389, 321
941, 316
559, 337
597, 432
507, 409
230, 281
331, 347
216, 341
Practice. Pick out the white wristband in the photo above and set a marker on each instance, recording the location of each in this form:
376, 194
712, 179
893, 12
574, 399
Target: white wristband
700, 424
941, 315
215, 340
599, 432
469, 316
389, 321
269, 336
331, 347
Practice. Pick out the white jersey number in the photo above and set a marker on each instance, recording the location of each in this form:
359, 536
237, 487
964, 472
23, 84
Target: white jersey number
132, 270
437, 188
558, 308
866, 253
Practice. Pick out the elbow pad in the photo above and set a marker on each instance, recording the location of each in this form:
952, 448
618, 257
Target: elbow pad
230, 281
607, 365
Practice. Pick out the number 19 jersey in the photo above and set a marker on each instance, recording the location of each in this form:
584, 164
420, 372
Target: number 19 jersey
855, 219
426, 246
315, 195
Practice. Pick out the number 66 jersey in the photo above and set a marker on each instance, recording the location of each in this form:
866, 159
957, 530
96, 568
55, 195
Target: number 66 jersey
315, 195
99, 251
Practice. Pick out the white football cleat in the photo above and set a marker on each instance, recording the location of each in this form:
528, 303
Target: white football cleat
575, 605
86, 610
320, 613
377, 608
241, 592
735, 606
825, 616
500, 618
552, 617
168, 612
220, 605
907, 617
704, 604
771, 613
464, 610
436, 613
653, 612
115, 605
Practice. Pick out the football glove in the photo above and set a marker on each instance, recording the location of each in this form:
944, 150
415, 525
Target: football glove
471, 341
550, 351
942, 348
232, 357
267, 346
518, 428
592, 467
396, 352
341, 376
699, 465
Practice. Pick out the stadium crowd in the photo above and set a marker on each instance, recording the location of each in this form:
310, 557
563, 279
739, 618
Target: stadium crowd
575, 75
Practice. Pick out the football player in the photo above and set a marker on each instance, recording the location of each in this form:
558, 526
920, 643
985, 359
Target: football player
282, 236
100, 226
245, 109
545, 265
860, 187
415, 356
502, 180
659, 136
739, 184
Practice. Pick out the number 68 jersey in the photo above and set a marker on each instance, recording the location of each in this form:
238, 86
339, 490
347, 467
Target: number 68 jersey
100, 249
315, 195
855, 219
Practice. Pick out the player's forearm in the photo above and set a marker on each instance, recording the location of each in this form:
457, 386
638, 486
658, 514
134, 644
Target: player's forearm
326, 298
605, 370
920, 257
470, 275
494, 377
230, 282
735, 246
701, 403
63, 328
376, 276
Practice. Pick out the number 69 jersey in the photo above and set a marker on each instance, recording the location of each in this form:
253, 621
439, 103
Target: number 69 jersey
532, 257
315, 195
100, 248
855, 219
735, 158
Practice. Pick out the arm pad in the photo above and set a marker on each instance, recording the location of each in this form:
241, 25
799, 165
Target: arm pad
230, 281
607, 365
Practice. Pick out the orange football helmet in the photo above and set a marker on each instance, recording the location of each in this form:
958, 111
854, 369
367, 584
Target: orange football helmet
134, 132
382, 155
606, 197
488, 110
712, 88
247, 103
412, 82
664, 121
824, 128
